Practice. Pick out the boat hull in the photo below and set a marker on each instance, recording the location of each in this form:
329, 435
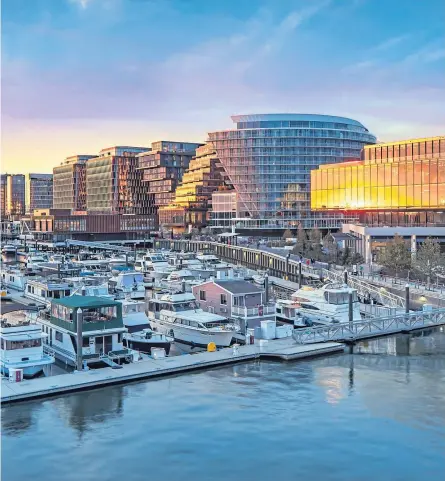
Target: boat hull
193, 337
29, 372
146, 347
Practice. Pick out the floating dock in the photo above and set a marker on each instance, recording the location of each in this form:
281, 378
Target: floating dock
280, 350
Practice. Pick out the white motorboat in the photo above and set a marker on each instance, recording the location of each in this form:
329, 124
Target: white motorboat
44, 290
9, 249
179, 316
147, 339
288, 312
22, 349
128, 284
154, 265
328, 304
259, 277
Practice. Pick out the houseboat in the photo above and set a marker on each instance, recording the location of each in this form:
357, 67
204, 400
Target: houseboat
21, 349
179, 316
9, 249
102, 329
44, 290
13, 279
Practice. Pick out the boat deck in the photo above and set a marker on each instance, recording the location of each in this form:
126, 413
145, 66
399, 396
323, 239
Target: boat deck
279, 349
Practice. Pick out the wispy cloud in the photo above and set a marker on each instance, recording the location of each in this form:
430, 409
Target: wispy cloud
427, 54
390, 43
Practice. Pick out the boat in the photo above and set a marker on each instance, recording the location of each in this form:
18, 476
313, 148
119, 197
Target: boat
31, 259
154, 266
44, 290
179, 316
13, 279
259, 277
147, 339
102, 330
22, 349
288, 312
127, 284
180, 280
9, 249
328, 304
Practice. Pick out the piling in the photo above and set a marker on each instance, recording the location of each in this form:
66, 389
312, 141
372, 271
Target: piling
79, 318
351, 311
407, 299
266, 288
300, 276
345, 276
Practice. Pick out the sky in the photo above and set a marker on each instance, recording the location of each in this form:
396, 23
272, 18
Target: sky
81, 75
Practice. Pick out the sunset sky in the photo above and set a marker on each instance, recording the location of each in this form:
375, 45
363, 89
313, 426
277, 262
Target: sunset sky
80, 75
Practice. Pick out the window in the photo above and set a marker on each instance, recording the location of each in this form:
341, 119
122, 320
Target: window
202, 295
59, 336
224, 299
235, 301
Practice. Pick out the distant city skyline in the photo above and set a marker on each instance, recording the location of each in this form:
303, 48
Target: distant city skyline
79, 75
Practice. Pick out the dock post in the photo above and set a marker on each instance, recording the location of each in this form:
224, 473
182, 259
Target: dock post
266, 288
300, 276
287, 266
79, 321
407, 299
345, 276
126, 259
350, 312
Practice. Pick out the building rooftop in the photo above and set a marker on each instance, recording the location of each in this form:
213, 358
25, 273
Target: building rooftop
75, 302
407, 141
238, 286
297, 117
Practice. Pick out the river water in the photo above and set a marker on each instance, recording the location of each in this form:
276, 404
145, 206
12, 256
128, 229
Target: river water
378, 414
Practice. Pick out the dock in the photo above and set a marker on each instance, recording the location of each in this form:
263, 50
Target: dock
279, 350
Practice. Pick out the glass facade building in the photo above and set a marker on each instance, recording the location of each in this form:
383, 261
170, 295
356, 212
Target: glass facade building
15, 194
39, 191
397, 183
268, 159
114, 183
69, 183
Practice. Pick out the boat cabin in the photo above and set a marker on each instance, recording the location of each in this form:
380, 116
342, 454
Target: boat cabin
45, 290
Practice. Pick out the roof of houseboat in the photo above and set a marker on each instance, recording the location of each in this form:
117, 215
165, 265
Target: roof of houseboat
85, 301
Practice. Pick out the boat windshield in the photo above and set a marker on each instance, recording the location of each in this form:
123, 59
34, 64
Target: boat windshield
132, 279
339, 297
185, 306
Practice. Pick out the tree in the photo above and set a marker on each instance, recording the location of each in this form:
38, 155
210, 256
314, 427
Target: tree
287, 235
396, 255
429, 260
330, 246
302, 242
315, 236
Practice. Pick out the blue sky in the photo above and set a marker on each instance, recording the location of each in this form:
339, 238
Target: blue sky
78, 75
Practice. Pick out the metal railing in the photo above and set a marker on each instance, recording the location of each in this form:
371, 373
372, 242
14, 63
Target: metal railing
370, 328
253, 311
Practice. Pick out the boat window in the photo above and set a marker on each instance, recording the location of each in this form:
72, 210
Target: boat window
224, 299
25, 344
2, 344
185, 306
185, 322
67, 292
101, 314
85, 341
29, 288
202, 295
59, 336
194, 324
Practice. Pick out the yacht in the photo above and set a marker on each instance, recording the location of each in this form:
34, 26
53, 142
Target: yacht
328, 304
154, 265
259, 277
179, 316
46, 289
31, 259
181, 280
89, 286
102, 330
147, 339
288, 312
127, 284
22, 349
13, 278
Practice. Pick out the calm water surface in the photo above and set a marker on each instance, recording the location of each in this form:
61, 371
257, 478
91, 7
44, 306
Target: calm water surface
378, 414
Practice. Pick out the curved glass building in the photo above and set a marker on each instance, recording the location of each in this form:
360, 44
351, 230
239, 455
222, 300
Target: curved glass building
268, 159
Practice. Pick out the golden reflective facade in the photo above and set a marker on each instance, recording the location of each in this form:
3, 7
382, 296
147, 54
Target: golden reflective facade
398, 175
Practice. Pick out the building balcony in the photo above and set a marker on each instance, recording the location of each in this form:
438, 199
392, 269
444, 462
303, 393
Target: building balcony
253, 311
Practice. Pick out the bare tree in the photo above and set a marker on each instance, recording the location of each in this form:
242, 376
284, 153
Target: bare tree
302, 242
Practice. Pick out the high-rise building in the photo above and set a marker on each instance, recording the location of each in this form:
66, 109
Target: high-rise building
15, 195
268, 159
69, 183
114, 183
39, 191
3, 181
163, 167
193, 196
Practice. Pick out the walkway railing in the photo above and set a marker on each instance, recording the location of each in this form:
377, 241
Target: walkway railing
370, 328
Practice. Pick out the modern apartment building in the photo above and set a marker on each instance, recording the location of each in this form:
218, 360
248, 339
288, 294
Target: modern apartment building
268, 159
396, 184
162, 169
39, 191
114, 183
69, 183
15, 195
3, 181
192, 202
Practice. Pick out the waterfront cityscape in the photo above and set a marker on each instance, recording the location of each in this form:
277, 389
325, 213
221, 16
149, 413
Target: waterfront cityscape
214, 264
